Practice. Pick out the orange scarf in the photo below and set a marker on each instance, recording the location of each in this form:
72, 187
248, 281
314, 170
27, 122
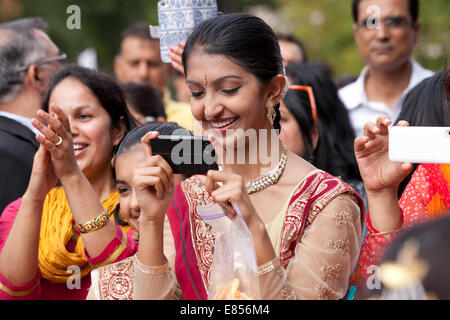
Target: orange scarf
437, 207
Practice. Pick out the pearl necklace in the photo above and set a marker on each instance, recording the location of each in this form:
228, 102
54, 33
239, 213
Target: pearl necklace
271, 178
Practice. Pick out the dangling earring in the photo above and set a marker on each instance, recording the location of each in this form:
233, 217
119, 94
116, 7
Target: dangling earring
113, 160
271, 113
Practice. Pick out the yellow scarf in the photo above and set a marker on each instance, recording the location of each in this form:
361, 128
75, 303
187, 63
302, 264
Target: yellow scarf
57, 230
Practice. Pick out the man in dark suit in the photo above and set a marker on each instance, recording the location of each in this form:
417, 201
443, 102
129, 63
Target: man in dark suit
28, 60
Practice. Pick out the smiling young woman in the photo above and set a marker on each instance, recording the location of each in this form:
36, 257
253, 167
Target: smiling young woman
305, 223
51, 230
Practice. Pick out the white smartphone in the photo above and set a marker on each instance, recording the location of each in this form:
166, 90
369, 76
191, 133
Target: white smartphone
419, 144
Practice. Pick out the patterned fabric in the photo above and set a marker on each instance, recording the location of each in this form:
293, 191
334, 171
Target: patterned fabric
426, 197
309, 198
67, 250
115, 281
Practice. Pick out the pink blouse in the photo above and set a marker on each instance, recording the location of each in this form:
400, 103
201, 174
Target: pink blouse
121, 247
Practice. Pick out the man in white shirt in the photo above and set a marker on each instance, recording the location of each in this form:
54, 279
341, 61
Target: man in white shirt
386, 32
28, 61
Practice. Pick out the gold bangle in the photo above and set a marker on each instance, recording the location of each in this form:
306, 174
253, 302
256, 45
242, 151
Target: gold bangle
95, 223
384, 233
151, 270
269, 266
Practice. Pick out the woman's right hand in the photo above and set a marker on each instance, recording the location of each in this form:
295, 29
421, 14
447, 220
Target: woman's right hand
154, 184
372, 155
56, 138
42, 178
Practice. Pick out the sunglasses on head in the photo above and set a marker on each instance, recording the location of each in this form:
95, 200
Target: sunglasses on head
312, 101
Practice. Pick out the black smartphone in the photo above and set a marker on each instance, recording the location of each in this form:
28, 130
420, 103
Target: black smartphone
186, 155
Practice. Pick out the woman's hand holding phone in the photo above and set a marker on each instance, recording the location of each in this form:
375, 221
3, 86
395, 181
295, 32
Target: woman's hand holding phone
381, 176
371, 150
154, 184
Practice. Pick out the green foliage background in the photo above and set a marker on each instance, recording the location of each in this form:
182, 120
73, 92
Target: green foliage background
332, 41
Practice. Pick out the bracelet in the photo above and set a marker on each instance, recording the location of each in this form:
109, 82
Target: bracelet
269, 266
152, 270
95, 223
384, 233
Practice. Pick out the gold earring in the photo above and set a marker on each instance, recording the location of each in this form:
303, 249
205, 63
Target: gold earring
113, 160
271, 113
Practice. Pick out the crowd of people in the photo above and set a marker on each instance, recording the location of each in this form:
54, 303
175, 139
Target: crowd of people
87, 211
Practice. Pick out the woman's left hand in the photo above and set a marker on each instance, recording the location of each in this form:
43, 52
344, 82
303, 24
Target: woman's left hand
233, 191
56, 138
153, 182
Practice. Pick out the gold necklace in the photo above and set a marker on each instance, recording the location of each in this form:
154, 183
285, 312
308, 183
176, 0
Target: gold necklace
269, 179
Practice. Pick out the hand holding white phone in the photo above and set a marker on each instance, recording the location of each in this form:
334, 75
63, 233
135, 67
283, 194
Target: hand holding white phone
419, 144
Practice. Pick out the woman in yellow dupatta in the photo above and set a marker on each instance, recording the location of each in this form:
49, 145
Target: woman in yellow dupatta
53, 237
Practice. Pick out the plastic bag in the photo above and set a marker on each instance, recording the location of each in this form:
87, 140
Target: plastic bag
234, 271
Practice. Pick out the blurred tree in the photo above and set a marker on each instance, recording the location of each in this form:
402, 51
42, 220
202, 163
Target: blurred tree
101, 23
230, 6
325, 26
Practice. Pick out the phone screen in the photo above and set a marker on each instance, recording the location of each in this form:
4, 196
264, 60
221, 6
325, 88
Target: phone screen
186, 155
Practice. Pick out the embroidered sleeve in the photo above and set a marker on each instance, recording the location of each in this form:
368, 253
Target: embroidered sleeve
121, 247
157, 282
324, 258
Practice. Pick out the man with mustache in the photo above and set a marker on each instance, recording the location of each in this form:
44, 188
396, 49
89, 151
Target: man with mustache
386, 32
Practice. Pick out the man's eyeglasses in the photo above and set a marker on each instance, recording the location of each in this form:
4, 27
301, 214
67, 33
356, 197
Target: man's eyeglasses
312, 101
60, 58
394, 22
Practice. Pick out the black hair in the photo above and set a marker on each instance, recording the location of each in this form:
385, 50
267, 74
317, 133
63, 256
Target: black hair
426, 105
297, 102
134, 136
246, 40
433, 243
292, 39
334, 152
138, 30
413, 10
145, 99
103, 87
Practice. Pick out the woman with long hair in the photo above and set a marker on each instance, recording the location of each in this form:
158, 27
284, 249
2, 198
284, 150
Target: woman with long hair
328, 138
